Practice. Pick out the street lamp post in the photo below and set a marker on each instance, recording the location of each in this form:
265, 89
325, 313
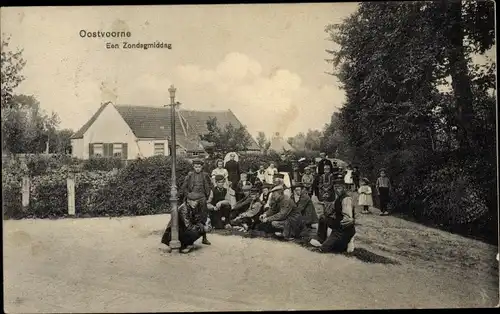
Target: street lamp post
174, 241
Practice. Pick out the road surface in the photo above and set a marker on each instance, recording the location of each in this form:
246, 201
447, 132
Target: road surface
114, 265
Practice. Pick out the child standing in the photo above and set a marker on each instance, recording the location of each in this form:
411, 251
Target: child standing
383, 187
308, 180
348, 178
270, 172
365, 195
356, 176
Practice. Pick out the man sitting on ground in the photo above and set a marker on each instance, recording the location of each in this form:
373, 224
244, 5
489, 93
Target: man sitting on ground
304, 205
219, 204
250, 218
191, 225
282, 215
243, 204
339, 216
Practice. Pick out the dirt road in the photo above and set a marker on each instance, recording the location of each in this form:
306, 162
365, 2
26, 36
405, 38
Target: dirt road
114, 265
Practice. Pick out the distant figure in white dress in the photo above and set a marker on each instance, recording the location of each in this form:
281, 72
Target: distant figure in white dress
365, 195
348, 178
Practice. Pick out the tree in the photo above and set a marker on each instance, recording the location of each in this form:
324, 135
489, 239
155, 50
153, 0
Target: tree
25, 126
263, 142
12, 64
335, 141
313, 140
60, 141
393, 59
298, 141
226, 139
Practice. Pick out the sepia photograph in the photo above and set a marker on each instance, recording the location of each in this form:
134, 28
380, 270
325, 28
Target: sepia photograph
249, 157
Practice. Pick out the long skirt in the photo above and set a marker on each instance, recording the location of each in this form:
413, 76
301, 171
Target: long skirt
219, 218
338, 239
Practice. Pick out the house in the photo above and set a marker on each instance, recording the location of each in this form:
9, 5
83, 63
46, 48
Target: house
279, 145
130, 132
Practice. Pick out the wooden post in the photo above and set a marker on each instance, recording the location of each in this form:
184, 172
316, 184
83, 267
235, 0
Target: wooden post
71, 194
26, 192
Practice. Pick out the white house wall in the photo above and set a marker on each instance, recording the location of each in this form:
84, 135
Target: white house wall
109, 127
147, 147
77, 147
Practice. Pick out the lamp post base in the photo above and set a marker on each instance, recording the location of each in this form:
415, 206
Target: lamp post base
174, 244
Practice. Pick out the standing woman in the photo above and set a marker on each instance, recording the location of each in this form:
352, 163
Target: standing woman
220, 171
233, 168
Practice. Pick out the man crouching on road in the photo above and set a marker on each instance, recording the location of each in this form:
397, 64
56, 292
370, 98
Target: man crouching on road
191, 224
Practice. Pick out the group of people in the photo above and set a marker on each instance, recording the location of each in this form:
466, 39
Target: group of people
286, 200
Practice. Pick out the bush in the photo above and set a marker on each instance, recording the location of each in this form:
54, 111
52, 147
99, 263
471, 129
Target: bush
141, 188
42, 164
103, 164
48, 194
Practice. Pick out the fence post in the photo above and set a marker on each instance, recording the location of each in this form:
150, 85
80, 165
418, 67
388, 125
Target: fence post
71, 194
26, 192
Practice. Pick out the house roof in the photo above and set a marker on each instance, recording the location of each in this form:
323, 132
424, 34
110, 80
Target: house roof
154, 122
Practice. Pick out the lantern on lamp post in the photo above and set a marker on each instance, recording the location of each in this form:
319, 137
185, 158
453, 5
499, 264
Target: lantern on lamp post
174, 242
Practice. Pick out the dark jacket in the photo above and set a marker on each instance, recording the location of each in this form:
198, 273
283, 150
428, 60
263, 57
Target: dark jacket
187, 185
306, 208
282, 209
190, 220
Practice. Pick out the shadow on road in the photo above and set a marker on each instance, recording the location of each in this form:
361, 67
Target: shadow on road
359, 253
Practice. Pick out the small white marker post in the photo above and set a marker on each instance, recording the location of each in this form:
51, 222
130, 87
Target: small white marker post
26, 192
71, 194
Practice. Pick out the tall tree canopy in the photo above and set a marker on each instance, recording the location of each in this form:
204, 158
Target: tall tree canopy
228, 138
394, 59
12, 64
263, 142
26, 127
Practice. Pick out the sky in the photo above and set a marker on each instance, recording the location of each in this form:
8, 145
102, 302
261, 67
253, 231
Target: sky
265, 62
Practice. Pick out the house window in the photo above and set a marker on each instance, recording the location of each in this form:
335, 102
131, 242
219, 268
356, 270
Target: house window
117, 150
99, 150
159, 149
195, 153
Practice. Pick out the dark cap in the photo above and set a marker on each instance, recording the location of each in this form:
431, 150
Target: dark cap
297, 185
219, 178
197, 162
339, 180
194, 196
279, 176
267, 186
